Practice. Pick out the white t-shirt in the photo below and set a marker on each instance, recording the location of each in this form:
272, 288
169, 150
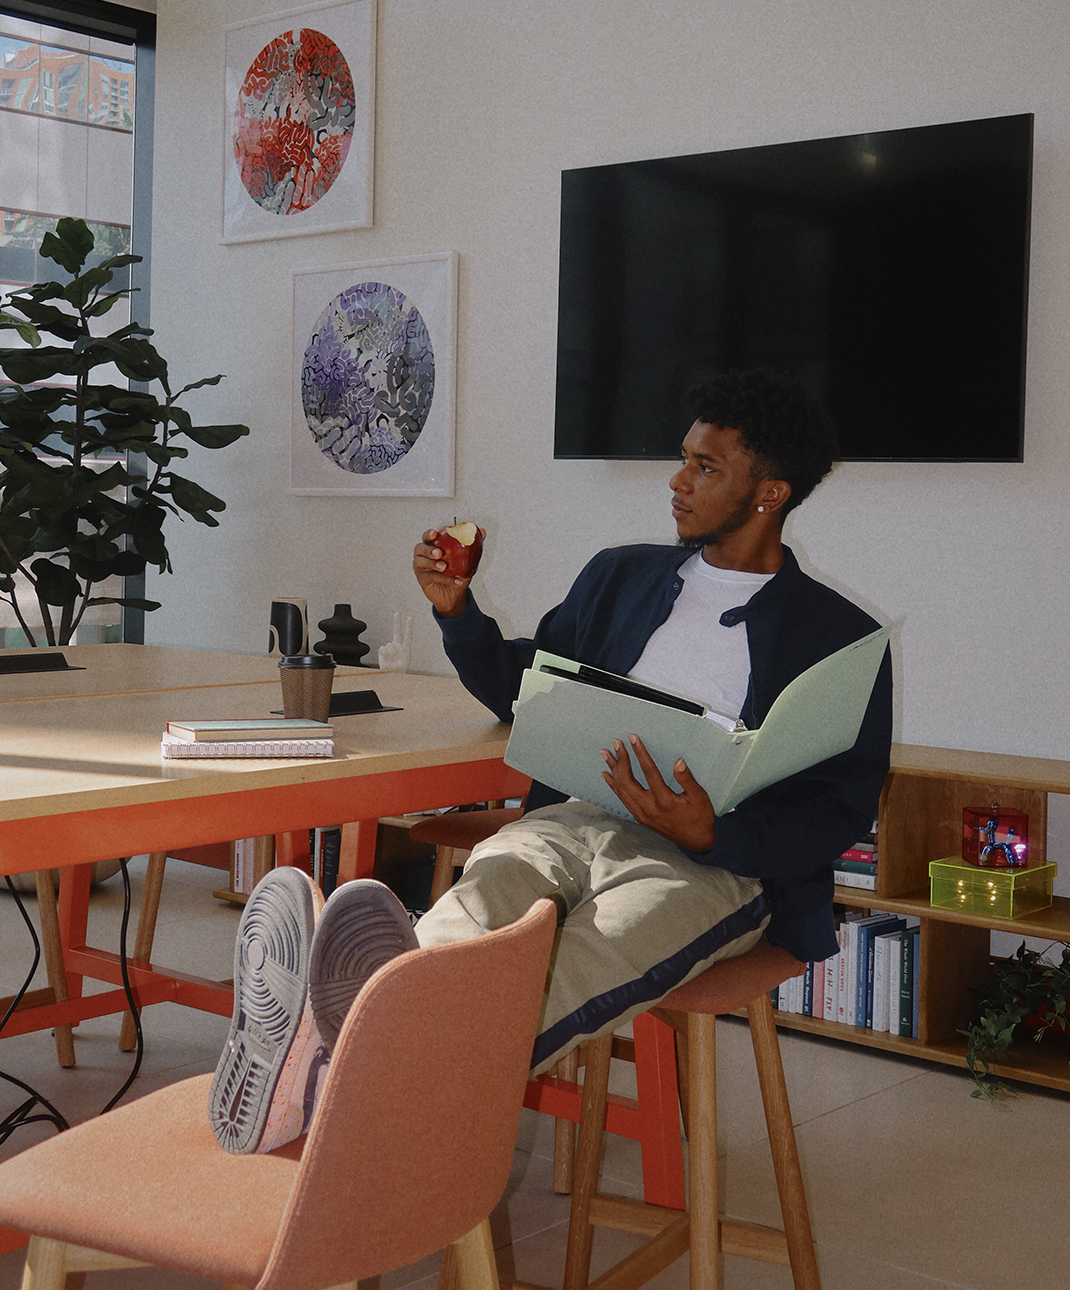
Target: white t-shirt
691, 653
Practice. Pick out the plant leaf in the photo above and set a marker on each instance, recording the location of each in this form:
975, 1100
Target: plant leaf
55, 584
193, 499
69, 245
215, 436
26, 330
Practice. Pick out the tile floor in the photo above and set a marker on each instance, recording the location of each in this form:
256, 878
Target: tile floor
913, 1185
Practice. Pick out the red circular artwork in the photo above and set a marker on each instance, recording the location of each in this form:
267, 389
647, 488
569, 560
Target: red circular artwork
294, 121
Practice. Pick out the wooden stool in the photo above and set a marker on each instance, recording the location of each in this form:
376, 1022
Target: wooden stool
454, 834
693, 1008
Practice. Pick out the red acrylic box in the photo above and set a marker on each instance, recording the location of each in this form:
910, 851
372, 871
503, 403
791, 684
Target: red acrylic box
995, 837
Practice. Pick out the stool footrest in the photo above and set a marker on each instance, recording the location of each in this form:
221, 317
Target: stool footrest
624, 1215
754, 1241
658, 1253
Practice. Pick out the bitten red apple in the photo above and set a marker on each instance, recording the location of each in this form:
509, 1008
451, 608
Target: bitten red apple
461, 546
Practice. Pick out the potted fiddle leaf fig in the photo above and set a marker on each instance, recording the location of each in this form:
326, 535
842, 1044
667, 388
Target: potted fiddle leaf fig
87, 469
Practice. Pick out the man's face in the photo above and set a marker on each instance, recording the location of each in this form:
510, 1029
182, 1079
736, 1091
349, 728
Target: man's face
713, 492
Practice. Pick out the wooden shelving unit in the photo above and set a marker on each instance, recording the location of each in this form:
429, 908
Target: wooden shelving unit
921, 820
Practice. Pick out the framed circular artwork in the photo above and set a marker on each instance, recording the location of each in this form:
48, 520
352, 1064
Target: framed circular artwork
293, 122
368, 378
372, 406
299, 106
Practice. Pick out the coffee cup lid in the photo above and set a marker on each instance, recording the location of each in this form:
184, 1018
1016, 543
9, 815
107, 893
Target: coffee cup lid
307, 660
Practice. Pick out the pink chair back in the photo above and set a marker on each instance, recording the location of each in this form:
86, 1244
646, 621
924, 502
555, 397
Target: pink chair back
414, 1134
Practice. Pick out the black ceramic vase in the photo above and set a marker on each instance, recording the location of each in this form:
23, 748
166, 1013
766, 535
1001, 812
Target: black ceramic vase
342, 637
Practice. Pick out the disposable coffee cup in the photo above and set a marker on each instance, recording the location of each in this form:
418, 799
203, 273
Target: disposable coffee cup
306, 686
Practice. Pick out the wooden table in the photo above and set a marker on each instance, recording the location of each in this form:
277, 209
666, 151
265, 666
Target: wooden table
132, 669
81, 779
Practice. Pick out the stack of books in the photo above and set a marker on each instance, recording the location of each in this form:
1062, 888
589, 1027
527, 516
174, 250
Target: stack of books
257, 737
872, 983
857, 867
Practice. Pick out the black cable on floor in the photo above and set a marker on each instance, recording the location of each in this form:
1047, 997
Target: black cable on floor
135, 1012
20, 1116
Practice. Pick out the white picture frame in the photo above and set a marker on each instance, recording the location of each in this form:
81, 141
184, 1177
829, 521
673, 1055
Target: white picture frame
325, 433
288, 203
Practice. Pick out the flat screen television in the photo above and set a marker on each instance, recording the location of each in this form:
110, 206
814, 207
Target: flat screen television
889, 271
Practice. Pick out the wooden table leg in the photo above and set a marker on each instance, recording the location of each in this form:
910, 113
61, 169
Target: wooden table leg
356, 858
263, 856
146, 930
53, 951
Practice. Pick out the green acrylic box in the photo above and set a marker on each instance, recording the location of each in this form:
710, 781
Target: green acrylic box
996, 893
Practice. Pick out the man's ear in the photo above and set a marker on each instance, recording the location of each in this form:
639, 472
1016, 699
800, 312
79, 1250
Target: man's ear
772, 494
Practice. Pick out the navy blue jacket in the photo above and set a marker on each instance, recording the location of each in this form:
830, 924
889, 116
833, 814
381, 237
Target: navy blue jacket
789, 834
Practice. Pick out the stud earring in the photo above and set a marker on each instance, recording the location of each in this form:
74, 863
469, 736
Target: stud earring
761, 509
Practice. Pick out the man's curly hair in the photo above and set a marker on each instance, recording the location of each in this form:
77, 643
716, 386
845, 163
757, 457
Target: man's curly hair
780, 423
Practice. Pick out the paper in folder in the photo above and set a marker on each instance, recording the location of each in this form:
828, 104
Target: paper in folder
568, 712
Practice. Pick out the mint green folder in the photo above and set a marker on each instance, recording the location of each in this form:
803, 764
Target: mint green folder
562, 724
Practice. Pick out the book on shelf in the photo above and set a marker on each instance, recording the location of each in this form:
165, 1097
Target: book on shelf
325, 845
868, 964
850, 980
567, 712
171, 747
853, 857
915, 982
829, 1011
238, 880
244, 866
860, 881
246, 729
840, 969
885, 974
905, 1020
856, 866
807, 991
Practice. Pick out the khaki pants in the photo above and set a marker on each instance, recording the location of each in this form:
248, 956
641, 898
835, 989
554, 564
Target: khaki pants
636, 917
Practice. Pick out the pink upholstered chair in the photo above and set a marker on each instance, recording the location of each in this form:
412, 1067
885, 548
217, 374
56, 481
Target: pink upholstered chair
408, 1152
693, 1009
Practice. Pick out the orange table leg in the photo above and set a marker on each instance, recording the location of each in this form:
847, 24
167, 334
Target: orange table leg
293, 849
12, 1240
74, 915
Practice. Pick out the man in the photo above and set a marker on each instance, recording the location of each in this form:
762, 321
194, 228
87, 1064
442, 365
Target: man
726, 618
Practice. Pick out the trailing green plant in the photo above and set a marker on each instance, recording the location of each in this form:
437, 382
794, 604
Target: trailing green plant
86, 478
1025, 985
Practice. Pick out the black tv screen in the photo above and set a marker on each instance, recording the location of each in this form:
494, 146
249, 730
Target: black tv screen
889, 271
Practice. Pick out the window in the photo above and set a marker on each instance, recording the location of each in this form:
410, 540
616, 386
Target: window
76, 97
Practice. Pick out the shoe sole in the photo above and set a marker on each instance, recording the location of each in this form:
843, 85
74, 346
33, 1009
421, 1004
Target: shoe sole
363, 926
271, 962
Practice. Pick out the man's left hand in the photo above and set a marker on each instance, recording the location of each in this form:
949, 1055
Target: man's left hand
685, 818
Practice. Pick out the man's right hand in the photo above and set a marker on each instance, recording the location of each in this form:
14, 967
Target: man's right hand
448, 594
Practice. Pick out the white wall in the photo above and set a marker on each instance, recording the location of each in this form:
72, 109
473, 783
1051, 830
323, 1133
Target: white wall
481, 103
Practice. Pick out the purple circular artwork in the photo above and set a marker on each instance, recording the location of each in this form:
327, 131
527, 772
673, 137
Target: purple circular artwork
368, 378
294, 121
